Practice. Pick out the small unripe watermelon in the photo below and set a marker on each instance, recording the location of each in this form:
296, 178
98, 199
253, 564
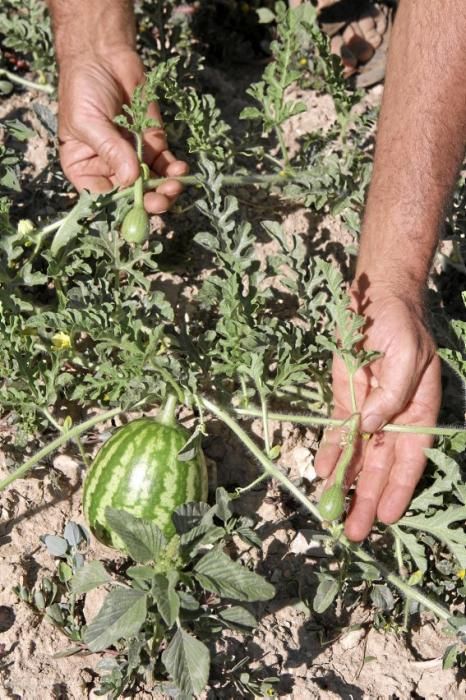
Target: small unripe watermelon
138, 470
332, 503
136, 225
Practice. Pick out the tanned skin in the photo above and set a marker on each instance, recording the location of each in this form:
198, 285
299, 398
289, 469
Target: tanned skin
95, 42
420, 146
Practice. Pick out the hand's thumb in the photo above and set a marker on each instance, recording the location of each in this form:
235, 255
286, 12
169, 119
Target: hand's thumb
115, 151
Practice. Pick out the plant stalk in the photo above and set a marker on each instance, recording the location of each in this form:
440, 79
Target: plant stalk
315, 420
166, 415
26, 83
268, 466
187, 181
56, 444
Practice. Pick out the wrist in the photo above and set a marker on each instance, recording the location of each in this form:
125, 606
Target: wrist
373, 282
90, 28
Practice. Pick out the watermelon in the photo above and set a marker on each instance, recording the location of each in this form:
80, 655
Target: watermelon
138, 470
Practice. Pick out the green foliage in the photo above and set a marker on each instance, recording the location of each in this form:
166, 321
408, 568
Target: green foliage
158, 613
274, 109
83, 320
456, 355
26, 30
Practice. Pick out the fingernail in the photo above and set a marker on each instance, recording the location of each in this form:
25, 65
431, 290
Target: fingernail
372, 423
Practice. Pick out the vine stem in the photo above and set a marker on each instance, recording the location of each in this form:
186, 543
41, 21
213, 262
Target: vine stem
270, 468
265, 462
187, 181
314, 420
56, 444
26, 83
60, 428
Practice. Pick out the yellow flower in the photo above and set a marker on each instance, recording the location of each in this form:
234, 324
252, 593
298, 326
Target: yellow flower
61, 341
303, 61
461, 573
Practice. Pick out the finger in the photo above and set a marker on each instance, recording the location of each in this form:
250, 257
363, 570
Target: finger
410, 458
356, 463
399, 374
405, 474
155, 138
330, 447
166, 193
170, 188
92, 183
165, 164
156, 203
377, 463
115, 151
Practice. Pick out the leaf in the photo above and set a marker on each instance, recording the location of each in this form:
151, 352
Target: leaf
57, 546
191, 448
70, 228
143, 539
89, 576
237, 615
382, 597
206, 240
249, 536
414, 547
188, 601
217, 573
223, 502
187, 660
140, 573
438, 525
73, 534
121, 616
442, 484
202, 535
168, 602
450, 656
65, 572
19, 130
325, 594
265, 15
189, 515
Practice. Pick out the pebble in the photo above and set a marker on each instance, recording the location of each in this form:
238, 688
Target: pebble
68, 466
352, 639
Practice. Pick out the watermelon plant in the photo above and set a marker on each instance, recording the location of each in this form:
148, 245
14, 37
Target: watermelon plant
176, 591
94, 332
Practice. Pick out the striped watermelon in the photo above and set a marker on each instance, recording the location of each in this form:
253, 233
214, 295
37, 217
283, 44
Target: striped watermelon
138, 470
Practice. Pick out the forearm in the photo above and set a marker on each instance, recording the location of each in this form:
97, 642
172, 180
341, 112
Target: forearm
91, 26
420, 145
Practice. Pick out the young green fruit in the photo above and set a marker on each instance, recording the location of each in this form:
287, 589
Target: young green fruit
138, 470
136, 225
332, 503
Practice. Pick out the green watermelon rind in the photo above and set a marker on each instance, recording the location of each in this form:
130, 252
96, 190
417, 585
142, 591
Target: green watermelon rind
138, 470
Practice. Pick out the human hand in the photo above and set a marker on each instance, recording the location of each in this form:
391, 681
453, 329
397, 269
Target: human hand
402, 386
95, 154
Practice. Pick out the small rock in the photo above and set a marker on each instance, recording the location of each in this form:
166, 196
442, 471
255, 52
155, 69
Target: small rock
352, 639
304, 461
304, 543
299, 545
68, 466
